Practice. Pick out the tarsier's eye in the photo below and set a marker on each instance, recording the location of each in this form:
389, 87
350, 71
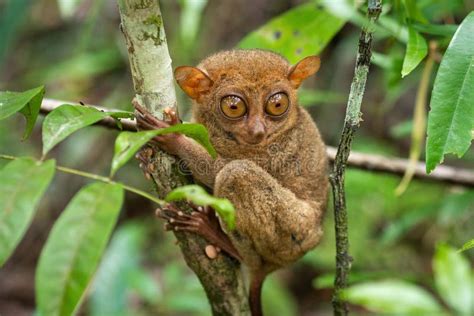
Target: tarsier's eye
277, 104
233, 107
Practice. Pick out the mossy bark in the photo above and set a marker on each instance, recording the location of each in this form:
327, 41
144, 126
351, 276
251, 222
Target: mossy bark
153, 81
351, 123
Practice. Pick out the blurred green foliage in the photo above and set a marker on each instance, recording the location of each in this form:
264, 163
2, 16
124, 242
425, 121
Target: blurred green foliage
75, 48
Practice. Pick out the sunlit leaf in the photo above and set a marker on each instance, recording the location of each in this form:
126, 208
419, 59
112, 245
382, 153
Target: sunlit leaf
27, 103
451, 118
453, 279
299, 32
22, 184
199, 196
467, 246
417, 49
392, 297
67, 119
128, 143
74, 247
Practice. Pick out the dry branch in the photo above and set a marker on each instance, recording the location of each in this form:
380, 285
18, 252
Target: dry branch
370, 162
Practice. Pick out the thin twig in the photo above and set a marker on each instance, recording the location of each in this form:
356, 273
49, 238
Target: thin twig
371, 162
351, 123
99, 178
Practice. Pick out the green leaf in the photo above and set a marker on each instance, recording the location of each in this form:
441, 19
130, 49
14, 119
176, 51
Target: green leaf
27, 103
467, 246
299, 32
74, 247
392, 297
453, 279
413, 11
446, 30
417, 49
22, 184
121, 271
66, 119
199, 196
451, 118
128, 143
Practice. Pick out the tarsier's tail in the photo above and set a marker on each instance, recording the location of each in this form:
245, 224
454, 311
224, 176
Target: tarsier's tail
255, 293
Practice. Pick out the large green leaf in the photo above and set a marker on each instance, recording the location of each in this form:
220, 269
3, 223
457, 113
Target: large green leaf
28, 103
392, 297
453, 279
199, 196
22, 184
121, 272
66, 119
302, 31
451, 118
128, 143
417, 49
74, 247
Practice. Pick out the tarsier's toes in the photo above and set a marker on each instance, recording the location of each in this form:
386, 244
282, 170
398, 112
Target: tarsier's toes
201, 221
144, 157
172, 116
146, 120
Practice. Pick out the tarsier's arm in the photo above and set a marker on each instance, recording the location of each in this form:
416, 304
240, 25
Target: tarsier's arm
197, 159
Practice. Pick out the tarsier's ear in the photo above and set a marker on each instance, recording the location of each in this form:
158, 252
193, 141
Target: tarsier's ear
303, 69
193, 81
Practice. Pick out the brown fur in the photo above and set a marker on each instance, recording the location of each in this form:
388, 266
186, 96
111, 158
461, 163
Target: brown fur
278, 185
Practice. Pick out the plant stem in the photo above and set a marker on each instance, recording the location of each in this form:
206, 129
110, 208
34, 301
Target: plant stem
351, 123
99, 178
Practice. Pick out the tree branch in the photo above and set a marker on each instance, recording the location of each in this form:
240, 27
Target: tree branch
370, 162
351, 123
142, 26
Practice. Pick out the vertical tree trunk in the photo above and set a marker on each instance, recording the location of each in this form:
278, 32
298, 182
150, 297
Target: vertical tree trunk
142, 26
351, 123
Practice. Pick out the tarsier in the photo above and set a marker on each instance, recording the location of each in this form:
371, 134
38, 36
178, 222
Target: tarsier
271, 160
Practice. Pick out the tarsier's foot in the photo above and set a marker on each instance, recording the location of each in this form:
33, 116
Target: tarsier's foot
147, 121
144, 157
202, 221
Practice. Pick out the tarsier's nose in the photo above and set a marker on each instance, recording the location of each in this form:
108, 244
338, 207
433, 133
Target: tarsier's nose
256, 131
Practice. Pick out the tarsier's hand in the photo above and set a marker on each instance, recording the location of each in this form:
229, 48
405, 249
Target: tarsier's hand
170, 143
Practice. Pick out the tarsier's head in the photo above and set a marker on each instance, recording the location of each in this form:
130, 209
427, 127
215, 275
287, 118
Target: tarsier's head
248, 95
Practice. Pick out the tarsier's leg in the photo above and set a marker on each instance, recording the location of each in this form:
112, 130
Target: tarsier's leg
202, 221
273, 224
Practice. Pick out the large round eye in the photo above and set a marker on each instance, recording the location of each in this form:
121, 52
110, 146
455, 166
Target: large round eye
277, 104
233, 107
